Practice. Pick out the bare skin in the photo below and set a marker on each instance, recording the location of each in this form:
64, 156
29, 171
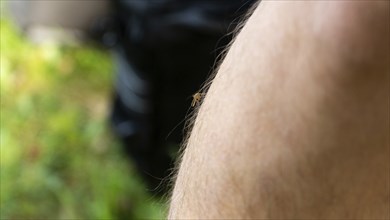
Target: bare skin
296, 122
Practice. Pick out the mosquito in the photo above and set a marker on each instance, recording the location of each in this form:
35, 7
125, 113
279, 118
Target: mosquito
196, 98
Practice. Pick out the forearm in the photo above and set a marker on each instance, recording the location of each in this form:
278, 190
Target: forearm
294, 124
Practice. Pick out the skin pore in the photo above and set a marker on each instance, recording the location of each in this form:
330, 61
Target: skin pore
295, 124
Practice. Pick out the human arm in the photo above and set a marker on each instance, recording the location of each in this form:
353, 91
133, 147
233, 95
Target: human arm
296, 121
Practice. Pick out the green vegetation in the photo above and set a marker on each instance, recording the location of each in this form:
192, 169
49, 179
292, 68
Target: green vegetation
58, 160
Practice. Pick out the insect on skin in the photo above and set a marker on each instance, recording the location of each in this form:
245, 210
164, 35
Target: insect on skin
196, 98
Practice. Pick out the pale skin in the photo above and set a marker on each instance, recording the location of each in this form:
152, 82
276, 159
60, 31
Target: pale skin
295, 124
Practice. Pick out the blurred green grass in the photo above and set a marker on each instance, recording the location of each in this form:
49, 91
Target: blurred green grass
58, 160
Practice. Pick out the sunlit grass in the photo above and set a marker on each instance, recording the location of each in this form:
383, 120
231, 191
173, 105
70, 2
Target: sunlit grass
58, 160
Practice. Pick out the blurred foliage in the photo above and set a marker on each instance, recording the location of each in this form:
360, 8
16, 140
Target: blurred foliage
58, 160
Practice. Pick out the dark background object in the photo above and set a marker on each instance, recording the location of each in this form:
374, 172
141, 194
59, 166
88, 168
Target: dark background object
169, 47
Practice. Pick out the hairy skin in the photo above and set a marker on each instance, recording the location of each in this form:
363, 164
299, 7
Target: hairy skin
296, 122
